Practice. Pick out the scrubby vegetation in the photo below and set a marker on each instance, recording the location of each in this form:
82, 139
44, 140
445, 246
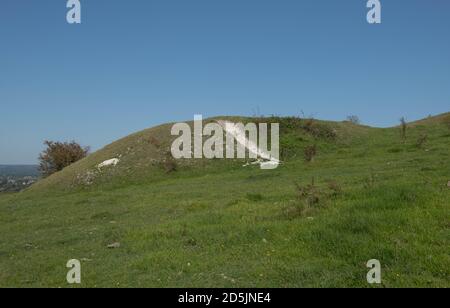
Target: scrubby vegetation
403, 127
59, 155
354, 119
310, 152
217, 224
169, 164
446, 121
421, 141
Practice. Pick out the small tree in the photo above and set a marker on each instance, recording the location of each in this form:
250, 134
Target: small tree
59, 155
403, 127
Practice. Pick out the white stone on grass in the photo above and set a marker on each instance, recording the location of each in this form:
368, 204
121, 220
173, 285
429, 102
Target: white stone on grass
110, 162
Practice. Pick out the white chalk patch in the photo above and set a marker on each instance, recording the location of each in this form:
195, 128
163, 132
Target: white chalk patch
272, 164
266, 160
110, 162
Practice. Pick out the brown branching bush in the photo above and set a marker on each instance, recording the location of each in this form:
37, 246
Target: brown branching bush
310, 198
155, 142
310, 152
318, 130
309, 194
59, 155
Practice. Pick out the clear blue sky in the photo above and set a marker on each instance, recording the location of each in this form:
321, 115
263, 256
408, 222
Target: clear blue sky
133, 64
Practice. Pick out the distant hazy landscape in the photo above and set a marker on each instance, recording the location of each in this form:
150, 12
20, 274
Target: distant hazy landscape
17, 177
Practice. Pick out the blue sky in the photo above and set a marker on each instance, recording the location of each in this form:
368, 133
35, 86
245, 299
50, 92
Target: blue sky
134, 64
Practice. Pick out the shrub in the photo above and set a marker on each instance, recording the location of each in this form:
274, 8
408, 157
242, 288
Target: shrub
296, 124
447, 121
335, 188
309, 195
403, 127
154, 141
59, 155
318, 130
308, 124
354, 119
422, 141
309, 198
169, 164
310, 152
286, 123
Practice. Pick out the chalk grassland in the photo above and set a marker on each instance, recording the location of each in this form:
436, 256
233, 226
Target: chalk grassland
218, 224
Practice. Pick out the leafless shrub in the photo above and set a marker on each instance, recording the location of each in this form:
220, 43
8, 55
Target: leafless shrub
155, 142
309, 194
421, 141
169, 164
403, 127
310, 152
335, 188
308, 124
307, 199
310, 197
318, 130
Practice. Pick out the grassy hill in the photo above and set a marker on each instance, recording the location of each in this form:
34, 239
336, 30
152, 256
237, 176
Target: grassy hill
368, 194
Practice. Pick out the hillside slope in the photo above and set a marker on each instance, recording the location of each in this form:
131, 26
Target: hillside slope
367, 194
142, 155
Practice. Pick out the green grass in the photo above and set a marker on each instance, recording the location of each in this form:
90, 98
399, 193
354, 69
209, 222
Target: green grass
217, 224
